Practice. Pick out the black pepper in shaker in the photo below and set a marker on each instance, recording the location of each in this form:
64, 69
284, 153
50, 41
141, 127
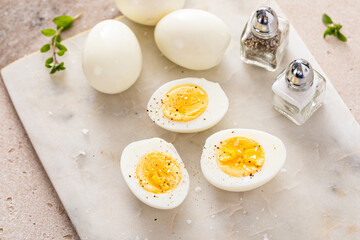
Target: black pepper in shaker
264, 39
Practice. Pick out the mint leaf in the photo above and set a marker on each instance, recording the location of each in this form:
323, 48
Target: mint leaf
338, 26
62, 23
332, 28
329, 31
341, 37
53, 70
58, 38
65, 22
48, 32
326, 19
61, 52
48, 62
61, 66
45, 48
61, 47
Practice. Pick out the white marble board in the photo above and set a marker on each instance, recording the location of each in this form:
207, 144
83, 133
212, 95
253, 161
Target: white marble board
315, 196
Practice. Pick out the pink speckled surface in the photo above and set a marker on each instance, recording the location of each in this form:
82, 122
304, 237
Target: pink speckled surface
29, 206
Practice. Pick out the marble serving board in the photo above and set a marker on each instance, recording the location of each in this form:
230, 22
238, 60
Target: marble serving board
315, 196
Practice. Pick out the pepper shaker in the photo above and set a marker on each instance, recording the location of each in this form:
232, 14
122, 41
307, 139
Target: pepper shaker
264, 39
298, 91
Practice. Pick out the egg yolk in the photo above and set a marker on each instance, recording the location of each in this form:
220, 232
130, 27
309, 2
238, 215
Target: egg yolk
240, 156
158, 172
184, 103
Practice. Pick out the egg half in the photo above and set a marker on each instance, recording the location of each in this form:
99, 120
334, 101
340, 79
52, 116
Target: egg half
111, 57
192, 38
148, 12
188, 105
241, 159
155, 173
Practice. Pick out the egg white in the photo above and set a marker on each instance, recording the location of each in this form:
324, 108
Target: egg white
215, 111
148, 12
192, 38
275, 155
129, 160
111, 57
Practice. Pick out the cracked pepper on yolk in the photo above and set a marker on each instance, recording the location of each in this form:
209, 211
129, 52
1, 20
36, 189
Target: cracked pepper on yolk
240, 156
184, 103
158, 172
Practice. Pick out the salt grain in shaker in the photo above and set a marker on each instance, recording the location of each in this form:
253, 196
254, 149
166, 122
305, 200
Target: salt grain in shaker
298, 91
264, 39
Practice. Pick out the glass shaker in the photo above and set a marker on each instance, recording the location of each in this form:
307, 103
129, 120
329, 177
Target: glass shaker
298, 91
264, 39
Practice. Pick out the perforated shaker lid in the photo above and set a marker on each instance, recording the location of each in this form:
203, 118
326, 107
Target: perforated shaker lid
299, 75
264, 22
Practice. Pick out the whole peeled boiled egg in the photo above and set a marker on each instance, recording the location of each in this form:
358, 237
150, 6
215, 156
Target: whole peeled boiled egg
148, 12
111, 57
188, 105
155, 173
192, 38
241, 159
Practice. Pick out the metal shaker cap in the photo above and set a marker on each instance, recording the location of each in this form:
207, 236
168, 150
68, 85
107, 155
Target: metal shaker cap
299, 75
264, 22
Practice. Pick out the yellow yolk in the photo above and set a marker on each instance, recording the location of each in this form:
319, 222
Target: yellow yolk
184, 103
240, 156
158, 172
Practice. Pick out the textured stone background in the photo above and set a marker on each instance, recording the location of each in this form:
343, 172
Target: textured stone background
29, 206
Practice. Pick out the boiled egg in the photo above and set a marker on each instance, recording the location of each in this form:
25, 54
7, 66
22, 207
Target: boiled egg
155, 173
111, 57
188, 105
239, 160
148, 12
192, 38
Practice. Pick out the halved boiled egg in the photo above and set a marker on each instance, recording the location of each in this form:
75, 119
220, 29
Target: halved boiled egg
241, 159
155, 173
188, 105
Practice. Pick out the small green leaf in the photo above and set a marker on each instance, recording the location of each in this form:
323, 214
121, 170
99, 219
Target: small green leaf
58, 38
329, 31
341, 37
58, 67
45, 48
49, 60
53, 70
61, 52
64, 21
338, 26
48, 32
61, 66
61, 47
326, 19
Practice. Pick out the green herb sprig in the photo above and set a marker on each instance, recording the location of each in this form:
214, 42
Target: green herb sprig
62, 23
332, 28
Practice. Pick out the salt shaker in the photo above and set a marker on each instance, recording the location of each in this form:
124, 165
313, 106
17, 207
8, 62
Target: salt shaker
298, 91
264, 39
